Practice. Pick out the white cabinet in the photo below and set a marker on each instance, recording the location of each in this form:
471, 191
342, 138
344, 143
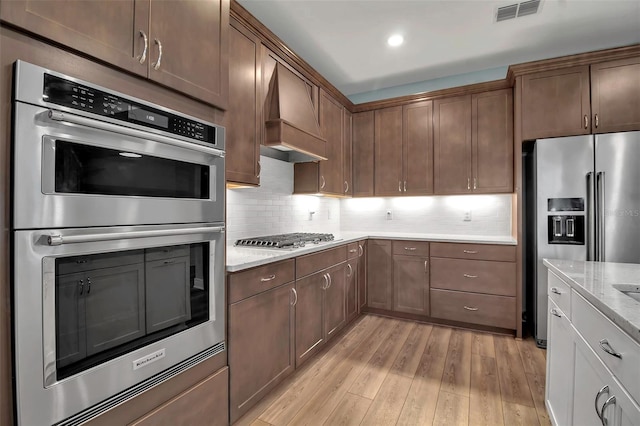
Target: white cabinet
583, 387
560, 349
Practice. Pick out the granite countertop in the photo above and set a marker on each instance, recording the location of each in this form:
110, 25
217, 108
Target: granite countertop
241, 258
594, 281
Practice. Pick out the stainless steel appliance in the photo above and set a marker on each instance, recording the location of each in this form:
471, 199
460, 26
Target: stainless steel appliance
582, 198
280, 241
118, 246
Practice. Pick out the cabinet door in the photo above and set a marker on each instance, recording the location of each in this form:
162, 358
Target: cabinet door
167, 290
71, 344
352, 303
347, 145
560, 359
492, 141
192, 38
411, 285
556, 103
309, 316
363, 150
334, 301
115, 306
331, 181
388, 151
615, 96
379, 278
452, 145
261, 346
417, 133
242, 138
362, 275
203, 404
107, 30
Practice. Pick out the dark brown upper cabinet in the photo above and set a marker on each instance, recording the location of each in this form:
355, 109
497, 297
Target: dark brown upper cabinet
473, 143
556, 103
615, 96
363, 152
325, 176
347, 156
388, 178
244, 116
181, 45
417, 148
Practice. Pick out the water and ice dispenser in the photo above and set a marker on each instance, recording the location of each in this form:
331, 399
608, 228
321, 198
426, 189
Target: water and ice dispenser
563, 225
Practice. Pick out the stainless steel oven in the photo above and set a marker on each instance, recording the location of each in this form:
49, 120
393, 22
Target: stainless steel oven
118, 246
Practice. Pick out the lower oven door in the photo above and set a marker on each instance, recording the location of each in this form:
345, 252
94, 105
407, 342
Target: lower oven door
74, 171
100, 310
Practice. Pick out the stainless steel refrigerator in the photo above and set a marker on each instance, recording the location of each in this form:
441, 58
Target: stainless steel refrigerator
582, 202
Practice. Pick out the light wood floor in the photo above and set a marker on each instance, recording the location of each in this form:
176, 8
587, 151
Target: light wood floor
385, 371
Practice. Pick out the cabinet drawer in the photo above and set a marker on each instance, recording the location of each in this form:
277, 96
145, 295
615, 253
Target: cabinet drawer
475, 276
247, 283
474, 251
352, 250
560, 293
159, 253
594, 327
495, 311
411, 248
315, 262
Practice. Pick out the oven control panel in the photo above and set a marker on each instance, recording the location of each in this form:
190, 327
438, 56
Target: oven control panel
80, 97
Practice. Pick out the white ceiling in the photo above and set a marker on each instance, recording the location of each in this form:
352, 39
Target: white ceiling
346, 40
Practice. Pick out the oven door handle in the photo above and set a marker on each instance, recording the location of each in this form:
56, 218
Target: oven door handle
88, 122
57, 239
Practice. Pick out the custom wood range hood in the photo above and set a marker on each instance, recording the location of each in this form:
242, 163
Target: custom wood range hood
291, 122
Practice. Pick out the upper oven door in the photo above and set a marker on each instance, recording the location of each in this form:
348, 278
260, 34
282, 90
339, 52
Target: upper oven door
73, 171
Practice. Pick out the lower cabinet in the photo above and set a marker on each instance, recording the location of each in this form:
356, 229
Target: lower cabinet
204, 403
261, 332
411, 277
379, 274
351, 298
362, 275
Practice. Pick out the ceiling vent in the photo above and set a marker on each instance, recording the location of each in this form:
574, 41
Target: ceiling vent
517, 10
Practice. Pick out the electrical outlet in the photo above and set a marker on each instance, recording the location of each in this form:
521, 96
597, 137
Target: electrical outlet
467, 216
389, 215
311, 213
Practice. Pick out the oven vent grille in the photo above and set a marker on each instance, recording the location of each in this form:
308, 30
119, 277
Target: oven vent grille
517, 10
136, 390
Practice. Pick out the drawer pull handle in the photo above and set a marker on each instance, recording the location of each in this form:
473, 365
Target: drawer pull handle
350, 270
352, 251
554, 312
604, 344
608, 402
470, 276
410, 248
361, 250
295, 294
470, 251
269, 278
554, 290
604, 389
326, 281
470, 309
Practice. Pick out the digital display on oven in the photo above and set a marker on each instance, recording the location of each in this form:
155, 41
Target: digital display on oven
144, 116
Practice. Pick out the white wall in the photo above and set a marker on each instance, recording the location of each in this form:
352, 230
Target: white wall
272, 209
490, 214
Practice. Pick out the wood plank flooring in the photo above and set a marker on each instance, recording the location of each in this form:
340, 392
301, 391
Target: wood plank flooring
385, 371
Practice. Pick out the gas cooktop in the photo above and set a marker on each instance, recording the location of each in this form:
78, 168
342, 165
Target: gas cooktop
293, 240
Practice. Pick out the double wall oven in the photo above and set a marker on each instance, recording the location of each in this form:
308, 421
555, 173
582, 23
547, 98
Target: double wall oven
118, 245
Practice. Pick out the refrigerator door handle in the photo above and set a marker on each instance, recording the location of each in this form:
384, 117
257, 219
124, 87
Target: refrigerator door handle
591, 226
600, 216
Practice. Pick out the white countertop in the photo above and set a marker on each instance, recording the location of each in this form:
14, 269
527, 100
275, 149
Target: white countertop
594, 280
240, 258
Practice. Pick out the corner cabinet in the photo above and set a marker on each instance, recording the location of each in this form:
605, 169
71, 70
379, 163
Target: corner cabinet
244, 116
181, 45
473, 143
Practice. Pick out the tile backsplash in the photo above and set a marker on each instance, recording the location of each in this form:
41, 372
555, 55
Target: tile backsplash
272, 209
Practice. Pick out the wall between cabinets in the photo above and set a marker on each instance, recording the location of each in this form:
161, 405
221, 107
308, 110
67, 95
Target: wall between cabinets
272, 209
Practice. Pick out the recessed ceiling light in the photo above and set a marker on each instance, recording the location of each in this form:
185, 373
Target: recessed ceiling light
395, 40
